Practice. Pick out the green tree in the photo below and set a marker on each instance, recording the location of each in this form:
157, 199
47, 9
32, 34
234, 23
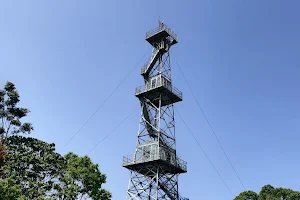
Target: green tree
248, 195
42, 173
11, 114
3, 153
31, 169
33, 165
268, 192
82, 179
9, 190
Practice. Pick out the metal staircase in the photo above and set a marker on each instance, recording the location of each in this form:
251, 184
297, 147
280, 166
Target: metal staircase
145, 71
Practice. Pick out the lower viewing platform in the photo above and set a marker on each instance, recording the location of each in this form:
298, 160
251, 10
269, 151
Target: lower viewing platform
151, 155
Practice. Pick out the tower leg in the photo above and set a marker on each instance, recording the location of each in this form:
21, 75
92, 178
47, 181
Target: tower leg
155, 185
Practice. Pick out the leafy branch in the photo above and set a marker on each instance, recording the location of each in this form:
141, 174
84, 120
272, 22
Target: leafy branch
11, 114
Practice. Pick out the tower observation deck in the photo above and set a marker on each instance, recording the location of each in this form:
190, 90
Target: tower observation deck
155, 166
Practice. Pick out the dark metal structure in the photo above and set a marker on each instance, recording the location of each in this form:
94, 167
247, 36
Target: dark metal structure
155, 165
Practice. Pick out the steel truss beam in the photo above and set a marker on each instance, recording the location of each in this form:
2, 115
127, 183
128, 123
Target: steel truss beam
156, 184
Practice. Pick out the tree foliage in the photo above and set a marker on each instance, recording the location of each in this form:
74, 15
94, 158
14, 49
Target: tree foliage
82, 179
3, 153
33, 165
11, 114
9, 190
10, 117
268, 192
247, 195
31, 169
40, 173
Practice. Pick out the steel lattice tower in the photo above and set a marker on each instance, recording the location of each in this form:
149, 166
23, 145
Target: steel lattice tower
155, 166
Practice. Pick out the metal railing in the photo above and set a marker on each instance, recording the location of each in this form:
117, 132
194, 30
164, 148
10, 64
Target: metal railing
162, 27
183, 198
150, 60
182, 164
130, 160
127, 160
140, 89
170, 87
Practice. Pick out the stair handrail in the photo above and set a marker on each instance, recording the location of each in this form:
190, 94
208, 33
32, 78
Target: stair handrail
149, 61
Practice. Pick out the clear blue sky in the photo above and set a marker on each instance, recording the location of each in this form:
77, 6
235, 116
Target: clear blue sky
241, 59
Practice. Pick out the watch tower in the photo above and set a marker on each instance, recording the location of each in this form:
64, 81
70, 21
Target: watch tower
155, 166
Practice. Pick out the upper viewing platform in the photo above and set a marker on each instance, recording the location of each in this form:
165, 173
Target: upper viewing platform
161, 32
156, 86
